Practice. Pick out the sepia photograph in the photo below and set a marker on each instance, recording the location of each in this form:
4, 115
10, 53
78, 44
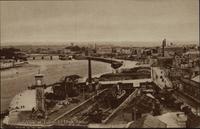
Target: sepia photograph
99, 64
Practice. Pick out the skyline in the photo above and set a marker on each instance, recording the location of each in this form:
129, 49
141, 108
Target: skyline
111, 20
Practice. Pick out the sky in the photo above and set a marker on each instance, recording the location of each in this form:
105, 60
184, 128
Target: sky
99, 20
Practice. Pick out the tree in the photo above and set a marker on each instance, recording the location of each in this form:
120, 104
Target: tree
9, 53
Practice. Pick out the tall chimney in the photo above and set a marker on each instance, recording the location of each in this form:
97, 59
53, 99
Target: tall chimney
163, 47
89, 70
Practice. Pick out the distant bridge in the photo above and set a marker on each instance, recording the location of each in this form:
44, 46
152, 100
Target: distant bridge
42, 56
114, 63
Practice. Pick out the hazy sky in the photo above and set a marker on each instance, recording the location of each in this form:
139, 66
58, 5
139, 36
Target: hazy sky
99, 20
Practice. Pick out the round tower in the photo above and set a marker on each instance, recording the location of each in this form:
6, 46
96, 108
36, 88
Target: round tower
40, 98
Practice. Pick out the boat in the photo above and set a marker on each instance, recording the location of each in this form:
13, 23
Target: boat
65, 57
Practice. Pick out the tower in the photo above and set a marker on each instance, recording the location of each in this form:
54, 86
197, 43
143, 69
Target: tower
40, 98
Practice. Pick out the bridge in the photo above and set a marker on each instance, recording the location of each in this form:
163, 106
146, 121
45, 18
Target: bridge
114, 63
42, 56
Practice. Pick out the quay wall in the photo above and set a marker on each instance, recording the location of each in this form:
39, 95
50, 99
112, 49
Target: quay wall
9, 65
6, 65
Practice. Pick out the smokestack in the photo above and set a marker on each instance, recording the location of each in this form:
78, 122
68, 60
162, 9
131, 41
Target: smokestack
89, 70
163, 47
